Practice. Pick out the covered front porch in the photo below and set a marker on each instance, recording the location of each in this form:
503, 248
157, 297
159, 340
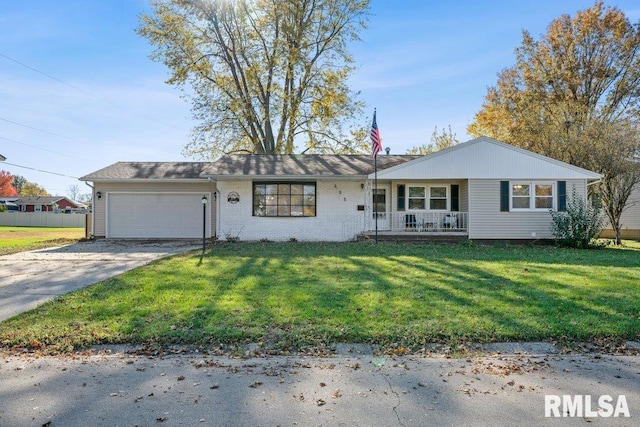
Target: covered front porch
419, 226
413, 210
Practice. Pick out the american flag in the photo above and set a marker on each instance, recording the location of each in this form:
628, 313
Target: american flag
376, 141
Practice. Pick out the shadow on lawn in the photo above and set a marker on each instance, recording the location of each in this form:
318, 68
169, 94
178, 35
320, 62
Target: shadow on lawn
415, 294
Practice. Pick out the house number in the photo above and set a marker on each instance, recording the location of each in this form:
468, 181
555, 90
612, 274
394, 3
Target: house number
233, 197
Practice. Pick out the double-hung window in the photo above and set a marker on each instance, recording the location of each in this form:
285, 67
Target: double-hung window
297, 199
433, 198
438, 198
532, 196
417, 198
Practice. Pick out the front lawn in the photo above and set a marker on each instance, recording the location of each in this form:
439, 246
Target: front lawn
20, 239
295, 295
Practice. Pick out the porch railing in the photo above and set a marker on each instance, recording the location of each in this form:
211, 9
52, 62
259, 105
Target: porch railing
410, 222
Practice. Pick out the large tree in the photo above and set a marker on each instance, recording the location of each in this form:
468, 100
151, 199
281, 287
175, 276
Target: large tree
573, 95
6, 185
19, 181
31, 189
263, 76
439, 141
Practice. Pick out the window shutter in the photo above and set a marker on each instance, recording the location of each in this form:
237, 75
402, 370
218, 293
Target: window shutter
504, 196
455, 198
401, 197
562, 196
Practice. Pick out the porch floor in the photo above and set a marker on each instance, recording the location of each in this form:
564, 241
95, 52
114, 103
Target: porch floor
415, 236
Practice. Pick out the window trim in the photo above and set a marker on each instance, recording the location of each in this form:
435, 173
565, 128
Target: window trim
532, 195
447, 198
409, 198
427, 197
254, 184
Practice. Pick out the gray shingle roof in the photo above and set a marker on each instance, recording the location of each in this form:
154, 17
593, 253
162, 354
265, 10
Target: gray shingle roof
249, 165
300, 165
148, 170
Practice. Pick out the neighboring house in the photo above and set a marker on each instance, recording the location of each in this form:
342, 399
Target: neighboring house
55, 204
630, 219
481, 189
9, 203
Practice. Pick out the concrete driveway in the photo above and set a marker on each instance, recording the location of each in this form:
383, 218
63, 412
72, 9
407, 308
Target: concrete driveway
28, 279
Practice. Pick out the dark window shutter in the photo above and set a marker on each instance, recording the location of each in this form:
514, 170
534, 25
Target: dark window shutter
455, 198
562, 196
504, 196
400, 197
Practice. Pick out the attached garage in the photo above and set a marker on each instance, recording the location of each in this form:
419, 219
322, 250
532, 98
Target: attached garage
157, 215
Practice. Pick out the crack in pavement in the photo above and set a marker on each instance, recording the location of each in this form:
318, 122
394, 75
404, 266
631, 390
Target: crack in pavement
395, 408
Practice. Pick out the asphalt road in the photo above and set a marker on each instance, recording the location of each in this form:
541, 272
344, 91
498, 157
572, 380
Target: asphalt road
346, 390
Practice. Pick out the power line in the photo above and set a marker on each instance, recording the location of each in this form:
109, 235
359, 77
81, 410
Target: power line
44, 149
84, 91
41, 130
40, 170
43, 73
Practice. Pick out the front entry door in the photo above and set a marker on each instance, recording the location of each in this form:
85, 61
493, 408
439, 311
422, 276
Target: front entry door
380, 207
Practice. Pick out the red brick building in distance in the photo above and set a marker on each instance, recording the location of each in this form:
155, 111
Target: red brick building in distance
46, 204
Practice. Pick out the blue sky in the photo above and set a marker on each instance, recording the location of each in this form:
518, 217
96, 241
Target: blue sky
421, 63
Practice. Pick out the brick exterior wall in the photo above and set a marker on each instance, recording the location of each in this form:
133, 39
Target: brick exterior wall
336, 202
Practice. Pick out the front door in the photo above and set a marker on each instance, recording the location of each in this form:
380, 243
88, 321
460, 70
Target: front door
380, 207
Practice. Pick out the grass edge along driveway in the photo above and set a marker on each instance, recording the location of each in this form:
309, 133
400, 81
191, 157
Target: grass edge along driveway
292, 296
21, 239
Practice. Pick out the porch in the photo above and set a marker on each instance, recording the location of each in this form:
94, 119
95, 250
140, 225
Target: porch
436, 226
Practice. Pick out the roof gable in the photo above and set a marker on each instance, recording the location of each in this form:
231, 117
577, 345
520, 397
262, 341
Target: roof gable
486, 158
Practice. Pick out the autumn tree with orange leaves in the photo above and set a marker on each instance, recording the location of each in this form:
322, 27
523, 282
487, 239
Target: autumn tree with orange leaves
6, 185
574, 95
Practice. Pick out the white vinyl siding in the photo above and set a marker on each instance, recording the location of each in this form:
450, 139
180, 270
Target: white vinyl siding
487, 222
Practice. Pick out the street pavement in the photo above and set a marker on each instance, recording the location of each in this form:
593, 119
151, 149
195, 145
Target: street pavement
348, 389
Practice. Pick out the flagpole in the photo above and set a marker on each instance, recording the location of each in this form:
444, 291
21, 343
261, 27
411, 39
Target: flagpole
375, 192
376, 146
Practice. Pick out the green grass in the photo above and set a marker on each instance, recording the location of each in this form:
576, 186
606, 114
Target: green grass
20, 239
295, 295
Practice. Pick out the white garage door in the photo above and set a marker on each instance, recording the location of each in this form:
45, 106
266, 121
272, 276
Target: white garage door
156, 215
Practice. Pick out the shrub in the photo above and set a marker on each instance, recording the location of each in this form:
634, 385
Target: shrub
579, 225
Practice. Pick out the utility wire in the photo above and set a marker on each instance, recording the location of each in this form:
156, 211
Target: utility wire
44, 74
44, 149
84, 91
41, 130
40, 170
